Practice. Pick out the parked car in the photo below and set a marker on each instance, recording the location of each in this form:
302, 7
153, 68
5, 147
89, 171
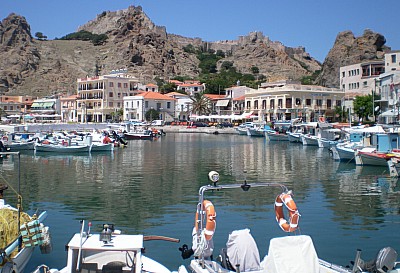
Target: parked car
224, 125
200, 124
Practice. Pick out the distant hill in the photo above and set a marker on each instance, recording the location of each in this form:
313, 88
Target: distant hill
35, 67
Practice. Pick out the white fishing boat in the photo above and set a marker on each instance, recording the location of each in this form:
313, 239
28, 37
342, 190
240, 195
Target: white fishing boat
109, 251
20, 233
295, 253
309, 140
294, 137
61, 148
276, 136
102, 147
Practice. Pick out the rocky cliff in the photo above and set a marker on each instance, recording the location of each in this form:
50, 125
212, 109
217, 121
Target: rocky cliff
34, 67
348, 50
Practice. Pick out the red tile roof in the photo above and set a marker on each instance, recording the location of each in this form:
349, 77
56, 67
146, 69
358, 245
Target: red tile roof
155, 96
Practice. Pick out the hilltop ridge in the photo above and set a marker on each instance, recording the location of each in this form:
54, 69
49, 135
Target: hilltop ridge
39, 68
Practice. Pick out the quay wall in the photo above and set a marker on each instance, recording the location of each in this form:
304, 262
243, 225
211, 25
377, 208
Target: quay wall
80, 127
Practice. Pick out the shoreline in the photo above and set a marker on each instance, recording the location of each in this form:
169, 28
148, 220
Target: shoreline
48, 127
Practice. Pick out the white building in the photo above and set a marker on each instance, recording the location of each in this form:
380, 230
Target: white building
285, 100
392, 61
100, 97
229, 104
136, 107
360, 78
183, 105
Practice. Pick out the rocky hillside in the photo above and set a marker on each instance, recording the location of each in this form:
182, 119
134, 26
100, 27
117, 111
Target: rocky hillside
349, 50
34, 67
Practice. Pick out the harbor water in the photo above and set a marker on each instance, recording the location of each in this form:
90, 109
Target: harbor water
151, 188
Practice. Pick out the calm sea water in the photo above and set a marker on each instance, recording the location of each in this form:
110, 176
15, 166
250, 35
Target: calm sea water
151, 188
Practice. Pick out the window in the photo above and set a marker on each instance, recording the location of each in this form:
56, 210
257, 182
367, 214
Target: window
319, 102
168, 104
393, 57
343, 74
119, 85
110, 94
110, 104
256, 104
146, 104
308, 102
125, 85
111, 84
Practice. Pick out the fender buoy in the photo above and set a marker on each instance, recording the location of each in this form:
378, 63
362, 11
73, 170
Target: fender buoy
294, 215
211, 223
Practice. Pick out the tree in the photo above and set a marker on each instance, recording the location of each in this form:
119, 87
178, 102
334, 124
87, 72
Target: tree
226, 65
255, 70
200, 104
168, 87
363, 106
152, 114
40, 36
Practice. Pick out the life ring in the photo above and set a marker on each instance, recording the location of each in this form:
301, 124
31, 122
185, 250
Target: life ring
5, 138
211, 223
294, 215
321, 119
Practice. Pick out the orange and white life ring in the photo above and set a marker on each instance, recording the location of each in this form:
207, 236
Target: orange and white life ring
294, 215
321, 119
4, 138
211, 222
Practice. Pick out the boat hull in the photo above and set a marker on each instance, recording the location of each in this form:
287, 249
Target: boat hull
132, 136
276, 137
102, 147
21, 146
49, 148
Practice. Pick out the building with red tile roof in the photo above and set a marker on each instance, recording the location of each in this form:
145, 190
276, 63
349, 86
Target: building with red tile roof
136, 107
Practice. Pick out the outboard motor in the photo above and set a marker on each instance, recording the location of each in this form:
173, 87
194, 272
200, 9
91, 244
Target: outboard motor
384, 261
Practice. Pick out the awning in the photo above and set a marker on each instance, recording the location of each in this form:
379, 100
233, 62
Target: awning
222, 103
247, 115
390, 113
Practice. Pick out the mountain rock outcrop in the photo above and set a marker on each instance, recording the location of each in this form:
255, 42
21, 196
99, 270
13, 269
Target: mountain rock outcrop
348, 50
36, 67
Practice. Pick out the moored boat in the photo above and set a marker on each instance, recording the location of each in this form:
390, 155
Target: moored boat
295, 253
61, 148
143, 134
276, 136
109, 251
20, 233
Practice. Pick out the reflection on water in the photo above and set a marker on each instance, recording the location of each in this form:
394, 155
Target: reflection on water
151, 187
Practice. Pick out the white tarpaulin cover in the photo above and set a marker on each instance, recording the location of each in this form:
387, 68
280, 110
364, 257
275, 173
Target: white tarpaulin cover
291, 254
389, 113
222, 103
242, 249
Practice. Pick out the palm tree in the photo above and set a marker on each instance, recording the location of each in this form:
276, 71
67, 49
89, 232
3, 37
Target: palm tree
200, 104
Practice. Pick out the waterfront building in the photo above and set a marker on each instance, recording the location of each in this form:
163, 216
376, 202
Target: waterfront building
228, 104
360, 78
387, 86
68, 108
15, 106
45, 110
101, 97
183, 105
136, 107
286, 100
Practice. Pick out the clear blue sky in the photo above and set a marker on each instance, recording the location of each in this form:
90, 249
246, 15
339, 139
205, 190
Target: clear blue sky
313, 24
